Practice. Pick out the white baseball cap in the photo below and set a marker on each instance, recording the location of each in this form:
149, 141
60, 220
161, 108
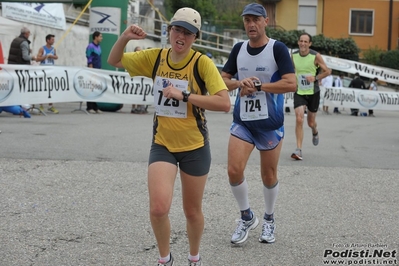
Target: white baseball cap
187, 18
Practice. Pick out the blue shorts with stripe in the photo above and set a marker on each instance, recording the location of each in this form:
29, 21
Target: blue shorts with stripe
263, 140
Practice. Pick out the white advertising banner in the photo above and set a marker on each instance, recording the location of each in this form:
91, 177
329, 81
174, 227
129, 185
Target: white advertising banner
357, 98
49, 15
105, 20
384, 74
20, 84
29, 84
347, 98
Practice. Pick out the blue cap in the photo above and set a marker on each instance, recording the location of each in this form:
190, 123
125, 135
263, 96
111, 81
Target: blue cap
255, 10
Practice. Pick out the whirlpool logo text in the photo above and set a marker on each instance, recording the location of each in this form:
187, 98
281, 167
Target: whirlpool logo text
6, 84
367, 100
89, 85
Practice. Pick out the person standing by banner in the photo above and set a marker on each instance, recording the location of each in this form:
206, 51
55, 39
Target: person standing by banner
93, 55
356, 83
338, 83
20, 51
327, 82
46, 56
373, 87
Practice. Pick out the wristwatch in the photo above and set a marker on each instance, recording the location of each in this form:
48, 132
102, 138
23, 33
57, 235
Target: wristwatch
186, 94
258, 85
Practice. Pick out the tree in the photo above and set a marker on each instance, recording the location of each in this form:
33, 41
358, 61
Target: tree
344, 47
390, 59
205, 7
372, 56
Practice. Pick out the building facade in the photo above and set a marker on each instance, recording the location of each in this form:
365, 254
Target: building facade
371, 23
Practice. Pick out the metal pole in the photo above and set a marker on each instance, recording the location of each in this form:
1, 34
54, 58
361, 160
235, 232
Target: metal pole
390, 25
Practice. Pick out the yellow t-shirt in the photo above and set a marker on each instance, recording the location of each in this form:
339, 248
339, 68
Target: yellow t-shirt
178, 134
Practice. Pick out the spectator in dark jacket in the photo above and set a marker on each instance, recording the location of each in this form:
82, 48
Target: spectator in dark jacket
357, 83
93, 55
20, 49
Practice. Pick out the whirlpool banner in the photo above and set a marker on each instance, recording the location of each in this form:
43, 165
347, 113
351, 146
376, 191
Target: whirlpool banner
35, 84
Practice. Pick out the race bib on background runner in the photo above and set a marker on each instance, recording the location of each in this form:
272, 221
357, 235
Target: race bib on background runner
303, 83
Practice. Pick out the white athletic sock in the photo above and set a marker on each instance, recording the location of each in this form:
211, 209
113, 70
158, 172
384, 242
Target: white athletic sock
240, 192
270, 196
166, 259
194, 258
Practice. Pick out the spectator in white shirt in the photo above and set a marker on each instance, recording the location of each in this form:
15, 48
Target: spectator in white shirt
327, 82
373, 87
338, 84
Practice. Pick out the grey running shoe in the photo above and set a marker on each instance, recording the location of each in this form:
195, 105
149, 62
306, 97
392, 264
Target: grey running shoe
267, 235
171, 262
297, 155
240, 235
315, 139
195, 263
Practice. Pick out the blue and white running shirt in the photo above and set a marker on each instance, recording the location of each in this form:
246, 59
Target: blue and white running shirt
262, 110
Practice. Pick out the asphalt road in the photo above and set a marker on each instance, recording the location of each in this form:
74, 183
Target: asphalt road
73, 192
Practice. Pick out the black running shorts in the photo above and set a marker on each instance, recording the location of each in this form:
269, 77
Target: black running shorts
196, 162
311, 101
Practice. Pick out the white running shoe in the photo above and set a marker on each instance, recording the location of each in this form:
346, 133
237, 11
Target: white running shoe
267, 235
195, 263
171, 262
240, 235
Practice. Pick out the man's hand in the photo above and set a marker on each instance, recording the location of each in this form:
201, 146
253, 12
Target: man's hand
247, 86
